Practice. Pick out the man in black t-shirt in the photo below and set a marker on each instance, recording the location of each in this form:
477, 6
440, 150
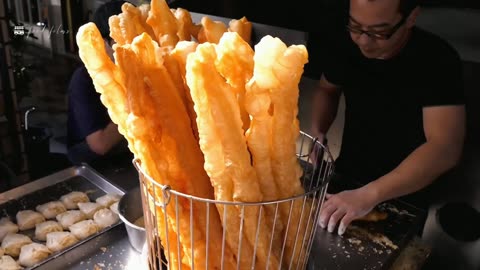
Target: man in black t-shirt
404, 114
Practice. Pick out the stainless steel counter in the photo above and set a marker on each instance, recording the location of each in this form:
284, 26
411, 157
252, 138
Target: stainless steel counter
112, 250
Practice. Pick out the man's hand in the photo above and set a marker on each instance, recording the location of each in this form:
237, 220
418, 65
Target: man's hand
344, 207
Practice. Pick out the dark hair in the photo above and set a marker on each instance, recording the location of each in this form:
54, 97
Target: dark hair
407, 6
104, 12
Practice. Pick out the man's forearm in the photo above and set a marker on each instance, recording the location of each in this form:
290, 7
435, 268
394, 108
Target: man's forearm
104, 140
417, 171
324, 110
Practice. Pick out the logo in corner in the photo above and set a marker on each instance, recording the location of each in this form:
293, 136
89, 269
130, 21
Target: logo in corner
19, 30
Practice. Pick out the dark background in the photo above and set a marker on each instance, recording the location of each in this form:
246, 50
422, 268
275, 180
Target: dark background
299, 14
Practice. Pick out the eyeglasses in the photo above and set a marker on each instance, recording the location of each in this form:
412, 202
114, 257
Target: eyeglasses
377, 35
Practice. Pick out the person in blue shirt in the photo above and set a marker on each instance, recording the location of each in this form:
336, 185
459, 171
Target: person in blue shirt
91, 133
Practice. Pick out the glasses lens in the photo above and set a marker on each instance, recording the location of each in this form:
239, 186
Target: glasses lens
354, 30
379, 36
372, 35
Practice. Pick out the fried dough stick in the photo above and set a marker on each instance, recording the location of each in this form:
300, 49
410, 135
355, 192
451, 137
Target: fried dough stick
211, 31
227, 159
279, 69
107, 78
148, 143
235, 64
125, 26
175, 65
258, 135
185, 24
243, 27
109, 81
201, 76
258, 104
139, 14
183, 157
258, 138
163, 23
143, 125
144, 9
180, 53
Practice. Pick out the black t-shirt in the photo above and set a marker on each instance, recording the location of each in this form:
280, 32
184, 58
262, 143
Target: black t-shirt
86, 113
384, 100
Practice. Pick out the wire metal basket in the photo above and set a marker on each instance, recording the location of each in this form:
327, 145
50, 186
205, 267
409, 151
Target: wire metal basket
289, 236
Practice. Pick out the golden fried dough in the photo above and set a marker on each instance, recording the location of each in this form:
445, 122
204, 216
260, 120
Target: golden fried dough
109, 81
180, 53
227, 160
211, 31
185, 24
163, 23
235, 64
179, 154
374, 216
279, 69
107, 78
205, 83
129, 24
243, 27
213, 119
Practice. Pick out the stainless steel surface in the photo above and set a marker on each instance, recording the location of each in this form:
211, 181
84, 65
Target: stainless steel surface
79, 178
110, 250
367, 245
130, 210
85, 171
315, 182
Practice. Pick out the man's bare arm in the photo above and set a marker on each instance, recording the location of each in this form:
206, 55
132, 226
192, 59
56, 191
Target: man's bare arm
103, 140
444, 128
325, 105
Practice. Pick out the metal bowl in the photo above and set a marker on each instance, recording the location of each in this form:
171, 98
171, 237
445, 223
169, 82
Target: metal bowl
130, 210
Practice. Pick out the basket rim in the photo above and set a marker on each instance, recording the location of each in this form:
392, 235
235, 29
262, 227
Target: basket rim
166, 189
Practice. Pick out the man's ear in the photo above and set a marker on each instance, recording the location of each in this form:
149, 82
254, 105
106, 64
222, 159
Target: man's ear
412, 18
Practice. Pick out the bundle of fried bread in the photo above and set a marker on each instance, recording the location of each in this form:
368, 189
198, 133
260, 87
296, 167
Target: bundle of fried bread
209, 116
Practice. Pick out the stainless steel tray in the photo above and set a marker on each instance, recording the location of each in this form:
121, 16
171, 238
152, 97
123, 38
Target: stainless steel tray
77, 178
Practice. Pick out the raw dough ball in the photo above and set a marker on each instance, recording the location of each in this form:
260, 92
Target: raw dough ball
114, 207
6, 227
66, 219
12, 243
89, 208
27, 219
108, 199
33, 253
57, 241
105, 217
42, 229
71, 199
84, 228
8, 263
51, 209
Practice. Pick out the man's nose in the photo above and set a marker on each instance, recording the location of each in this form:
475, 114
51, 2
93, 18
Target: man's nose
364, 39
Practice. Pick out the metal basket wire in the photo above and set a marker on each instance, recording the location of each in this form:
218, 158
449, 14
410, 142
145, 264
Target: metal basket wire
317, 164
